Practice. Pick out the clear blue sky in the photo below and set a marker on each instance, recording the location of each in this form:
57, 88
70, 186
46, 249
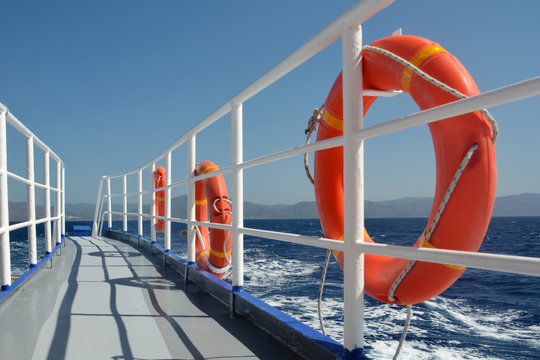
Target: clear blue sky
109, 85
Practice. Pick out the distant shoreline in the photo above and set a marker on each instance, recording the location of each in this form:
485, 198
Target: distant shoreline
522, 205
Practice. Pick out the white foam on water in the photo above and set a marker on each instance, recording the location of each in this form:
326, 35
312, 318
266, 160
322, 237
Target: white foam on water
441, 329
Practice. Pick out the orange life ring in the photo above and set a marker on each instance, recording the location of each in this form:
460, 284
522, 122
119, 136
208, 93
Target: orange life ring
464, 221
212, 249
159, 182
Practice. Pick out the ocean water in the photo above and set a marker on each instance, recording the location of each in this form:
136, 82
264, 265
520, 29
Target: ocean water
484, 315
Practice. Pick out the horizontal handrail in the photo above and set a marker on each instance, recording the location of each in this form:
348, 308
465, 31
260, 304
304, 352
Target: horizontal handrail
23, 130
358, 13
28, 182
58, 219
345, 27
24, 224
518, 91
503, 95
498, 262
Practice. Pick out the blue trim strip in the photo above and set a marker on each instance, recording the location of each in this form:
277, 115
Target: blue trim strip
356, 354
237, 289
6, 290
300, 327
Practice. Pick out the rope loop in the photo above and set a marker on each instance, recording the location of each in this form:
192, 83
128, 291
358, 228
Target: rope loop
440, 210
433, 81
224, 199
210, 266
313, 122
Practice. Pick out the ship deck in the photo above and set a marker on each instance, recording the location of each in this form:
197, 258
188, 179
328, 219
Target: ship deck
103, 299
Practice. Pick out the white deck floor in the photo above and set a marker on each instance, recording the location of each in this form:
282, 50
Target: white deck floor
104, 300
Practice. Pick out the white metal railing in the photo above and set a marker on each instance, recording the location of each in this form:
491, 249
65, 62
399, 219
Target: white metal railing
57, 220
347, 26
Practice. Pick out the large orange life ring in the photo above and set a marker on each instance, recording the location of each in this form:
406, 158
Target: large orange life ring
464, 221
159, 182
212, 249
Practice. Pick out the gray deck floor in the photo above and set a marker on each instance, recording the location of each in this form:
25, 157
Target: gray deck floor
104, 300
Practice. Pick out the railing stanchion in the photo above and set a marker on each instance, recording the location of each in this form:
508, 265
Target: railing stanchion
64, 201
140, 209
46, 172
31, 196
58, 220
109, 204
153, 205
5, 257
168, 164
124, 203
191, 199
97, 212
237, 221
353, 157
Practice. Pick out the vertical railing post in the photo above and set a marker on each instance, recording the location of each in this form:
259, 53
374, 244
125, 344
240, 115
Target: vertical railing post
5, 256
58, 202
31, 196
109, 203
153, 205
97, 214
64, 201
167, 241
237, 220
124, 203
191, 236
47, 182
140, 208
353, 164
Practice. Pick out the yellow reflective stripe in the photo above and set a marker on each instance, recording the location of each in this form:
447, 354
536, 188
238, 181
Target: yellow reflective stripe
208, 168
332, 121
429, 245
201, 255
220, 254
200, 202
417, 60
160, 198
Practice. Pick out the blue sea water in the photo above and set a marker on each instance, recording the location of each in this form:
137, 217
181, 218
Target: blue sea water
484, 315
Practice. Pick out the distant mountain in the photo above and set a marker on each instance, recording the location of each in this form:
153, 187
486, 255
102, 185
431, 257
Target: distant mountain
513, 205
517, 205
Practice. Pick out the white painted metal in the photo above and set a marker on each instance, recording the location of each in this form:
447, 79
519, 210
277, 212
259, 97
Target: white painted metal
63, 200
47, 202
152, 205
97, 222
353, 167
140, 202
58, 222
23, 130
109, 204
191, 233
5, 256
237, 198
353, 157
510, 93
167, 244
31, 201
31, 140
124, 203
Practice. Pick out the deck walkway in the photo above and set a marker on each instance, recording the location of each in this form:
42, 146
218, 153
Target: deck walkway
103, 299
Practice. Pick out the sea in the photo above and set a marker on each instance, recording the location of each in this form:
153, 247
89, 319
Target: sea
484, 315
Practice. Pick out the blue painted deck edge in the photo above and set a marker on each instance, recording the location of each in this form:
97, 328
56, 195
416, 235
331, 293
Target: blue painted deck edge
307, 331
5, 293
304, 330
